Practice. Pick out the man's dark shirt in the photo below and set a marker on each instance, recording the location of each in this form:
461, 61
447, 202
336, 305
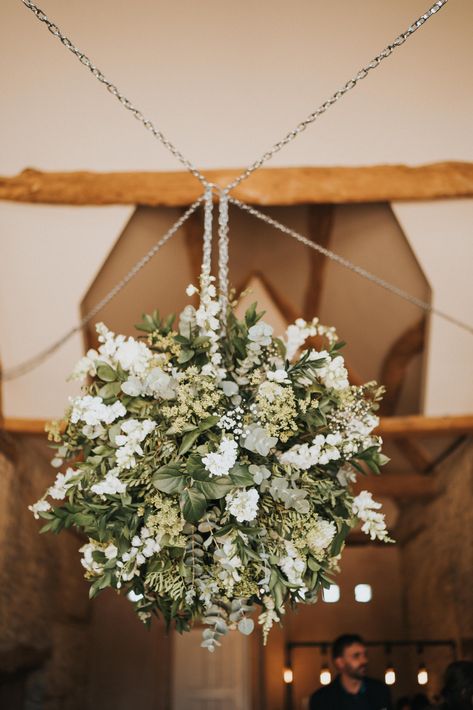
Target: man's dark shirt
373, 695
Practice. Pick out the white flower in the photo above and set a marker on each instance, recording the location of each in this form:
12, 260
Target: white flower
129, 442
133, 356
227, 558
279, 376
322, 450
219, 463
88, 561
61, 485
374, 523
159, 384
259, 473
133, 386
243, 504
257, 439
110, 485
85, 366
320, 536
187, 321
292, 564
92, 410
191, 290
111, 551
260, 333
229, 388
270, 390
41, 506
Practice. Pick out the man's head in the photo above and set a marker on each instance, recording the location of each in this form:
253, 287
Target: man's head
349, 656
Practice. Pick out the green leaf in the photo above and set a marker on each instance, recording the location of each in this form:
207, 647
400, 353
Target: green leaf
215, 489
105, 372
208, 423
193, 504
110, 390
185, 356
188, 440
169, 479
196, 468
241, 476
339, 540
313, 564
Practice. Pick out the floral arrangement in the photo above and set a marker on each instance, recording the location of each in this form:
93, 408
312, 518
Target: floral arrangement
211, 471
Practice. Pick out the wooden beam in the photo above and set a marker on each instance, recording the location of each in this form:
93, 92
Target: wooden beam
393, 370
24, 426
267, 186
320, 227
422, 426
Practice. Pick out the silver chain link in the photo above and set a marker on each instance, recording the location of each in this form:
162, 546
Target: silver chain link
223, 256
206, 268
25, 367
347, 264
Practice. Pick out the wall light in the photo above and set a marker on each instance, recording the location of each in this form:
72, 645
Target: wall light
331, 594
363, 593
325, 675
288, 675
422, 675
390, 676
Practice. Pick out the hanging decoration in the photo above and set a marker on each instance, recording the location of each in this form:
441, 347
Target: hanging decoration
210, 464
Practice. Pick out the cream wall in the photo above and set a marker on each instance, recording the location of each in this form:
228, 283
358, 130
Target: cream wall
223, 80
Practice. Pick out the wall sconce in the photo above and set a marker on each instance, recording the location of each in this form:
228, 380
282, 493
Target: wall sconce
331, 594
325, 675
363, 593
422, 673
288, 675
389, 673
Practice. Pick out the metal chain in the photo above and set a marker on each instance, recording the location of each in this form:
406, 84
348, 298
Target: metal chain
347, 264
25, 367
126, 103
206, 268
361, 74
223, 256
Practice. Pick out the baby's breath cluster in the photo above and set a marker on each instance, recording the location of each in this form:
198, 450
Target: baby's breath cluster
212, 473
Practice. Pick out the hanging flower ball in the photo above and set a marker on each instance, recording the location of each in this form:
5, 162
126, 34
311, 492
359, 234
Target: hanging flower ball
211, 472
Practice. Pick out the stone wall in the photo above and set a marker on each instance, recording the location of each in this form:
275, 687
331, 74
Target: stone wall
44, 607
437, 562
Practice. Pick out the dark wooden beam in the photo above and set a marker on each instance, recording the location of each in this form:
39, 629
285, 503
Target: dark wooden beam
319, 230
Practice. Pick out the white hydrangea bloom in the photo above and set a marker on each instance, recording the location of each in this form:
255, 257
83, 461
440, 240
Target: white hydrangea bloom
41, 506
292, 564
366, 510
159, 384
228, 560
320, 536
260, 333
243, 504
219, 463
93, 411
280, 375
110, 485
256, 438
61, 485
85, 366
322, 450
333, 374
134, 432
133, 356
